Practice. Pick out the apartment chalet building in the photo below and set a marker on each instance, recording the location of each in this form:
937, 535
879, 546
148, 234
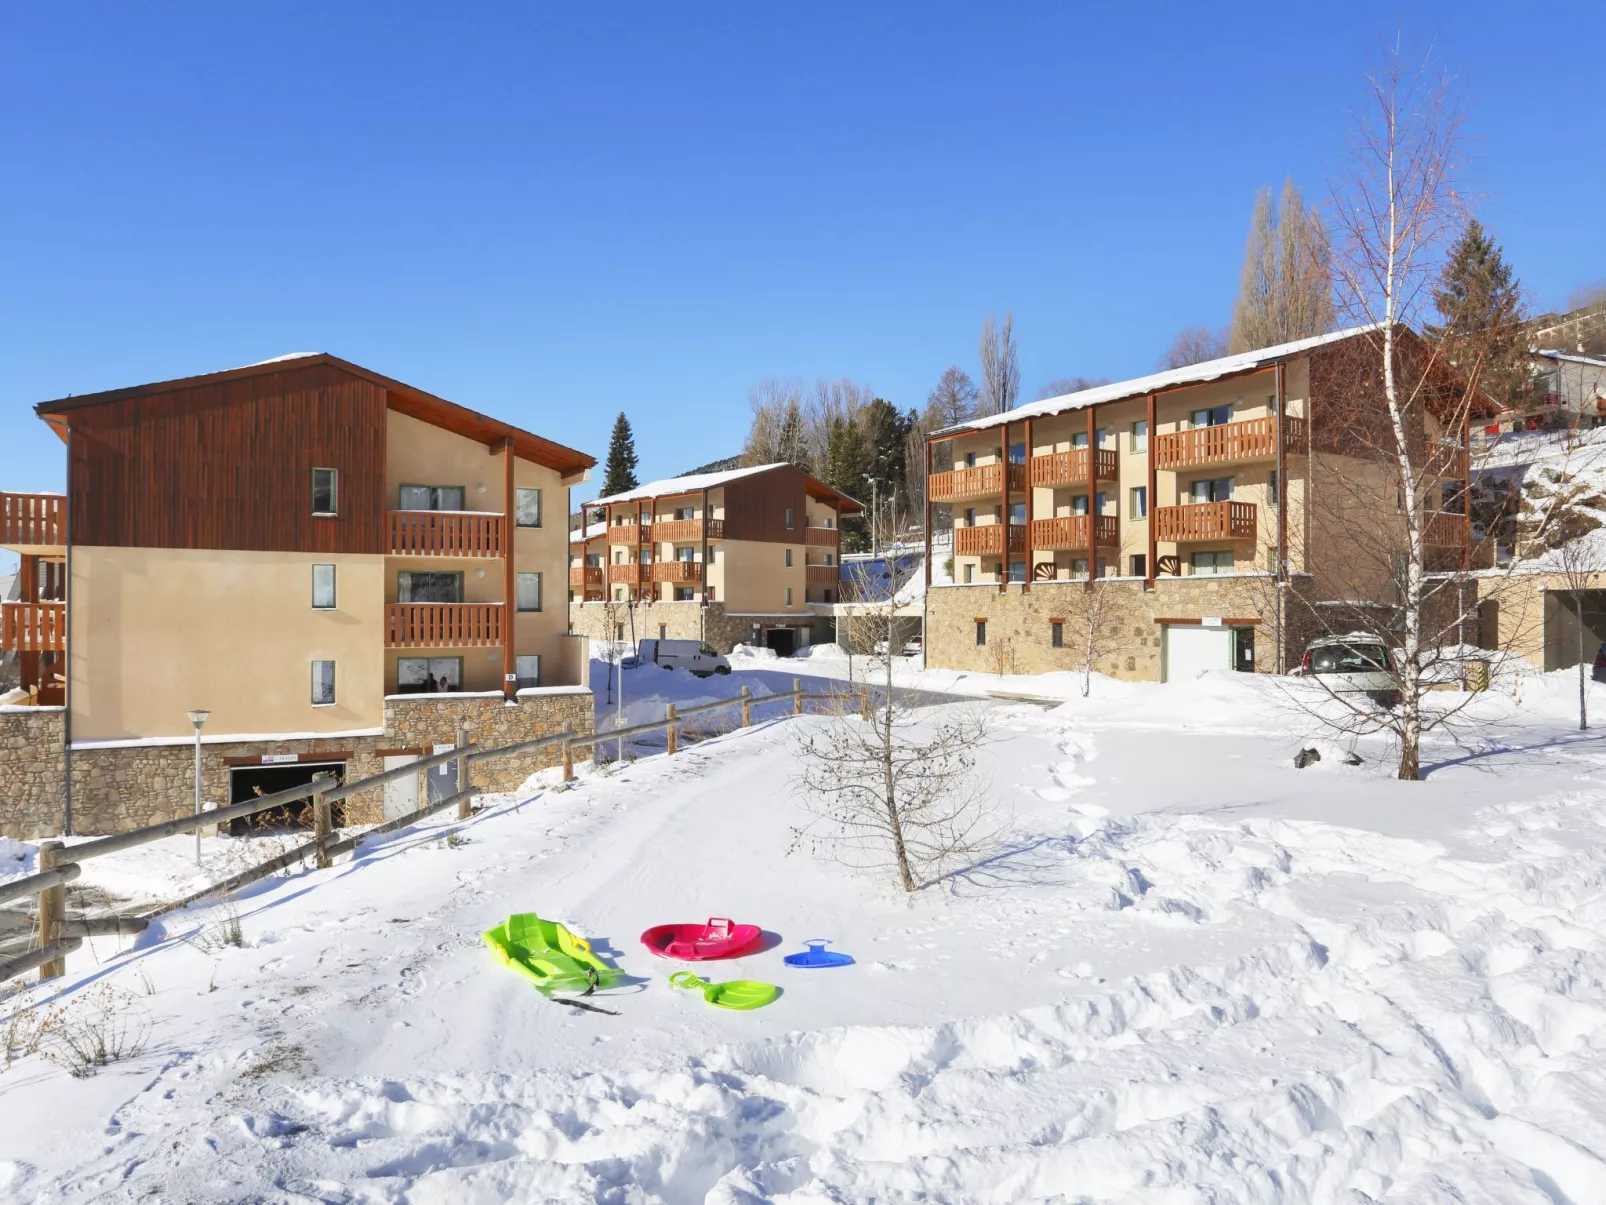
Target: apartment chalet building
340, 568
1187, 490
748, 556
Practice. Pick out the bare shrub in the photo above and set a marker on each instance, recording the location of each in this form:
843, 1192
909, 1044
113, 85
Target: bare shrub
102, 1025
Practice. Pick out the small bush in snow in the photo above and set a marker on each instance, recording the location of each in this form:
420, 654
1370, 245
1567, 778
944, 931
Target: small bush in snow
103, 1025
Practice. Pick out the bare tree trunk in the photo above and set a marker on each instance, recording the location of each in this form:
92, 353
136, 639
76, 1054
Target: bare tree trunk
1583, 690
889, 780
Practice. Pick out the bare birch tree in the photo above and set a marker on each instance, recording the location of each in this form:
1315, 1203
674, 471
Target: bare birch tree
1000, 366
1194, 345
1095, 621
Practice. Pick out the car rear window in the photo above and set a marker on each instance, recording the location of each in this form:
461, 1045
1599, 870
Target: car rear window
1349, 659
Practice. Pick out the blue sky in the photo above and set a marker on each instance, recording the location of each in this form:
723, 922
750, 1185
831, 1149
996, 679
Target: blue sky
552, 213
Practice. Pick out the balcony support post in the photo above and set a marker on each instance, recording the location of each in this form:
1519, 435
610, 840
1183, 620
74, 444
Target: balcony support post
925, 489
1027, 467
1092, 496
1466, 501
510, 681
1003, 494
1153, 501
1280, 579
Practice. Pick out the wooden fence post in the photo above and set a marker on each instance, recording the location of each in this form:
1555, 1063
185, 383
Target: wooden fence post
462, 774
52, 904
321, 827
797, 696
747, 707
669, 714
568, 760
864, 704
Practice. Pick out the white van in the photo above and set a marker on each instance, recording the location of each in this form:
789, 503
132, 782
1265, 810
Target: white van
693, 655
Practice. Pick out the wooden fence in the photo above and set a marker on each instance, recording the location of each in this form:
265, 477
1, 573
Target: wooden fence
59, 936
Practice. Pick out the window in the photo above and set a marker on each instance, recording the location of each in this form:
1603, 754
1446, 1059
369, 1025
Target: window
686, 555
1271, 403
323, 587
685, 512
431, 587
1211, 489
1140, 564
1079, 504
1271, 488
528, 670
529, 591
1017, 571
1103, 568
970, 516
970, 460
683, 594
323, 683
431, 497
830, 558
1017, 453
1211, 416
1451, 497
1079, 440
1140, 435
970, 574
1102, 437
663, 631
1099, 499
788, 558
1017, 513
428, 675
1056, 633
981, 632
325, 491
789, 596
1079, 569
1212, 562
618, 631
1138, 502
527, 507
789, 518
827, 596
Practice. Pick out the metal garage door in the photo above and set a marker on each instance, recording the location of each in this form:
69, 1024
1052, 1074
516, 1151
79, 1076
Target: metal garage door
1190, 649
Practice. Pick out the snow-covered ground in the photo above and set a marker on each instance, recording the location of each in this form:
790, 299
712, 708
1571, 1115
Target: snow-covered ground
1189, 973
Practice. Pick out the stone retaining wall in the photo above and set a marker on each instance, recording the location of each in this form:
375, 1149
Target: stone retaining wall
680, 621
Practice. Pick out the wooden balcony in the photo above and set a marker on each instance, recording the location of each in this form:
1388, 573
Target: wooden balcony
445, 533
820, 537
1199, 521
1444, 529
988, 540
633, 574
630, 533
1070, 468
685, 531
443, 625
588, 577
33, 627
33, 522
677, 573
1230, 443
822, 575
982, 481
1068, 533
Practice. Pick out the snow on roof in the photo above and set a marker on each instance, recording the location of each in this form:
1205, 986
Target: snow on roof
689, 484
1572, 358
1191, 374
595, 531
289, 355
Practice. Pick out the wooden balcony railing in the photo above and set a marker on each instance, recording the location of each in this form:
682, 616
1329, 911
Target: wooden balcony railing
1251, 439
33, 627
630, 533
982, 481
820, 537
1068, 533
1205, 521
1444, 529
682, 531
988, 540
822, 575
633, 574
588, 577
32, 520
679, 573
445, 533
443, 625
1070, 468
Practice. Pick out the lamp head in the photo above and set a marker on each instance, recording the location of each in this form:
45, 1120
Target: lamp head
198, 716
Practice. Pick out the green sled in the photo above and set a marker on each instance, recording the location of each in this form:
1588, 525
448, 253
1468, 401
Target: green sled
548, 955
736, 993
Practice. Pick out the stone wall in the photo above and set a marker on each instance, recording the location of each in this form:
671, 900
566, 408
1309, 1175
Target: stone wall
681, 621
126, 786
1019, 633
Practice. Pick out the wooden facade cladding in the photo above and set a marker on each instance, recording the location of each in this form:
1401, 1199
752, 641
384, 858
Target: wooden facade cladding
443, 625
228, 465
32, 521
821, 537
1198, 521
822, 575
756, 506
1068, 533
445, 533
684, 531
988, 540
1070, 468
982, 481
33, 627
1228, 443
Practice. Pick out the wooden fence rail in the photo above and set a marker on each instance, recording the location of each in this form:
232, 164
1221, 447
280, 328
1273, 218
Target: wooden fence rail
59, 936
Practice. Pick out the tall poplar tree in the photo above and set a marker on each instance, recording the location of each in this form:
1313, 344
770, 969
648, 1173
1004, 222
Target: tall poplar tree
1286, 292
620, 473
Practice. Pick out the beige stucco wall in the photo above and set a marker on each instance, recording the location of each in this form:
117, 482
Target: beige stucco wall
158, 631
756, 577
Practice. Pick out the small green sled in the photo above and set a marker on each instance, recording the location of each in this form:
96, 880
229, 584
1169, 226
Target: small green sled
736, 993
548, 955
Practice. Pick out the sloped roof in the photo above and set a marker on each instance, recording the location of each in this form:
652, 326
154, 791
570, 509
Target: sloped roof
694, 483
403, 398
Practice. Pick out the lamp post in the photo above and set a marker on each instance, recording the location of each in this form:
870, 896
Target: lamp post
198, 717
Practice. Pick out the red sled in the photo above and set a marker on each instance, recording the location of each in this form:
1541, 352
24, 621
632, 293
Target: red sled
699, 943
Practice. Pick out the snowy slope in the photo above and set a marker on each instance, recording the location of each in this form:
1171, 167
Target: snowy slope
1190, 974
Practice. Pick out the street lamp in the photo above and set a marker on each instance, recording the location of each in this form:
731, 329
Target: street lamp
198, 717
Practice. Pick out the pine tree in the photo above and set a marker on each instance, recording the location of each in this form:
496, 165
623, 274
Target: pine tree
1286, 292
620, 474
847, 468
1479, 304
790, 442
887, 435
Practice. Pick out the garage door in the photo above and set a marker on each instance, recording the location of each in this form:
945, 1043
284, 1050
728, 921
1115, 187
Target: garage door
1189, 650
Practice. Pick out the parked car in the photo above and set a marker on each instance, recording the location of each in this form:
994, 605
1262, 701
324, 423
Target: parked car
1355, 663
695, 655
911, 648
1600, 665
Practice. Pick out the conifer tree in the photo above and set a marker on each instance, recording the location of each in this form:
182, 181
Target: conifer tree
790, 442
1479, 304
1286, 292
620, 473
